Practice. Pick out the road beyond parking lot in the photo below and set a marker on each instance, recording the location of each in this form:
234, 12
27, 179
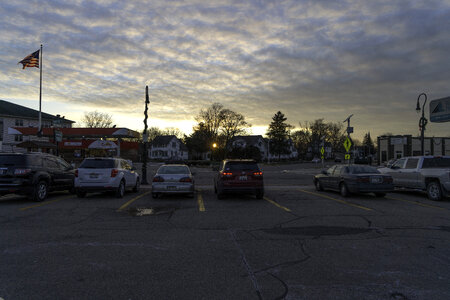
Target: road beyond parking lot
296, 243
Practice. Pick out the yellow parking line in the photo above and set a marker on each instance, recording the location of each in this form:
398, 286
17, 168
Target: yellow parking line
132, 200
337, 200
201, 205
45, 203
417, 202
277, 205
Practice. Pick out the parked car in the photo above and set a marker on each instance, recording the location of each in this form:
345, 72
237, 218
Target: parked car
239, 175
106, 174
34, 174
316, 160
425, 173
354, 179
173, 179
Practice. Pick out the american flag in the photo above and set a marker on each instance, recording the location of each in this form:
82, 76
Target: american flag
31, 60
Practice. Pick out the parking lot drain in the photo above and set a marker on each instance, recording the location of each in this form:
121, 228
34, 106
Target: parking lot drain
317, 230
149, 211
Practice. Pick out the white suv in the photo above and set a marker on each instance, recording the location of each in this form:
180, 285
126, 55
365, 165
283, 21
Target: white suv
105, 174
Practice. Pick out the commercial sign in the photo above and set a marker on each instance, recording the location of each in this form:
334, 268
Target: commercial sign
58, 136
440, 110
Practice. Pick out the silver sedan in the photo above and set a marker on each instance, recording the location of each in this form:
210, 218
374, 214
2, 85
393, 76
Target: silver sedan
173, 179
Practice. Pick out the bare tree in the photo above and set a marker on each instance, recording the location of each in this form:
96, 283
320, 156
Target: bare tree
173, 131
212, 119
233, 124
95, 119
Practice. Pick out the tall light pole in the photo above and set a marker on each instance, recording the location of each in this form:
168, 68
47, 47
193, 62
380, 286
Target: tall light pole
145, 139
422, 122
214, 146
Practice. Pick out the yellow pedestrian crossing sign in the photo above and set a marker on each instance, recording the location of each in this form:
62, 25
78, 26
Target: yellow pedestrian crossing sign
347, 144
347, 156
322, 151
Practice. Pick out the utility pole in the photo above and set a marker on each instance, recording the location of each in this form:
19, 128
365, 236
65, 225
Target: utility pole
145, 139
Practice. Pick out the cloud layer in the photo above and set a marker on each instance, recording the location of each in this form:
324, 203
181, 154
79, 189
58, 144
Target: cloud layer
309, 59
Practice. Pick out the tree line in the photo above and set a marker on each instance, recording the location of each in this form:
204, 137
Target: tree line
218, 125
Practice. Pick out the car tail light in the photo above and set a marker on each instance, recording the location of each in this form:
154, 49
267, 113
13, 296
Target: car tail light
186, 179
363, 179
158, 179
114, 172
21, 171
388, 179
76, 173
259, 173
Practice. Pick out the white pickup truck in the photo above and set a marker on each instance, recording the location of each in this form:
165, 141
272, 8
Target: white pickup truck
426, 173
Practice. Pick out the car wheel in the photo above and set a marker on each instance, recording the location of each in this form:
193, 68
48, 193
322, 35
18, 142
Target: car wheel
154, 195
40, 191
81, 194
344, 190
318, 185
260, 194
120, 192
137, 185
380, 195
434, 191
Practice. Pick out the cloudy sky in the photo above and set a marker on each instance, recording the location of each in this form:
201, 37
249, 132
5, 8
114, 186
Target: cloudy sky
310, 59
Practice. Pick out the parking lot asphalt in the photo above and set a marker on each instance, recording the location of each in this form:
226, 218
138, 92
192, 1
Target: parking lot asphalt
296, 243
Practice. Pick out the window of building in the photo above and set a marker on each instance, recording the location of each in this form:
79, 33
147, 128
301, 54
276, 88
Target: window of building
174, 145
19, 122
18, 138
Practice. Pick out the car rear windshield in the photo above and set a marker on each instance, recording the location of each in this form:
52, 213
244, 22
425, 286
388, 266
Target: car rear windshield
13, 160
241, 166
436, 162
363, 170
98, 164
173, 170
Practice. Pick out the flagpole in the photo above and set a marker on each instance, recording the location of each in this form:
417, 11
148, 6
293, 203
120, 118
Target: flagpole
40, 94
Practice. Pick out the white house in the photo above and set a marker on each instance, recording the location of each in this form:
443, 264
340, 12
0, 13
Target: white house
14, 115
168, 147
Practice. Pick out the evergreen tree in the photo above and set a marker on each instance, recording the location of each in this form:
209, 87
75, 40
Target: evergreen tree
278, 134
369, 147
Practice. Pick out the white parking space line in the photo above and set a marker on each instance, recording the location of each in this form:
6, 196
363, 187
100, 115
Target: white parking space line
337, 200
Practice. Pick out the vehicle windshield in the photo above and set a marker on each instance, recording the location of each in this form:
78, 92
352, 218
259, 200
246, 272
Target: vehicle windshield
173, 170
97, 164
436, 162
363, 170
12, 160
241, 166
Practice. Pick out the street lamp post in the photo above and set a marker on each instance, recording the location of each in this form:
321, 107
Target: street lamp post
214, 146
422, 122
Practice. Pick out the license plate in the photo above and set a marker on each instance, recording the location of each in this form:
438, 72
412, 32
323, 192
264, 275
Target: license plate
375, 180
93, 175
171, 188
242, 177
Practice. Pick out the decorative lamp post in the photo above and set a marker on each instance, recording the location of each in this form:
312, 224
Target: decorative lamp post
422, 122
145, 139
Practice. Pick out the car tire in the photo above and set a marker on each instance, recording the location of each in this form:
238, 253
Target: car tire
434, 191
318, 185
81, 194
344, 190
137, 185
260, 194
380, 195
120, 192
154, 195
40, 191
